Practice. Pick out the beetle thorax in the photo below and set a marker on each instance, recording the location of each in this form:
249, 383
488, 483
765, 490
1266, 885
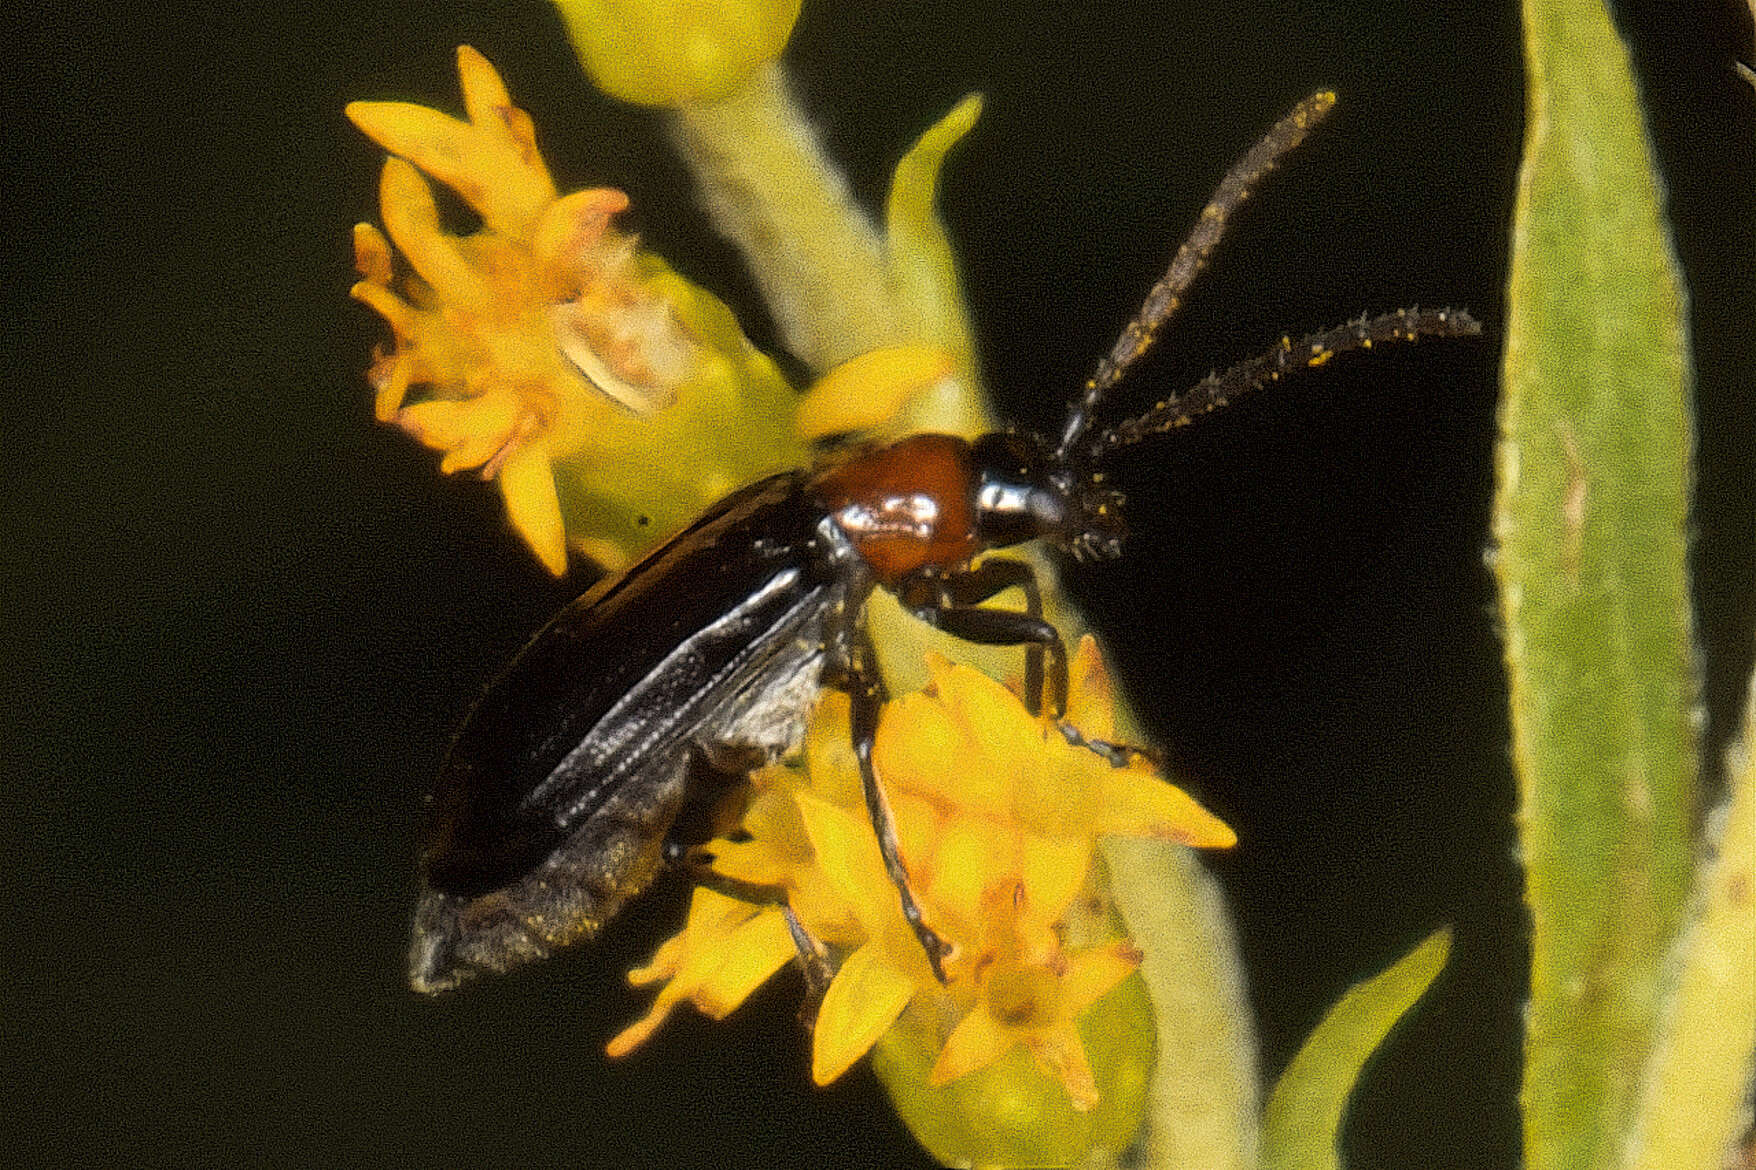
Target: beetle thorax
905, 507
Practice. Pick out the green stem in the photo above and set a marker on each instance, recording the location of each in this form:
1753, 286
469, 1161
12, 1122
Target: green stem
769, 187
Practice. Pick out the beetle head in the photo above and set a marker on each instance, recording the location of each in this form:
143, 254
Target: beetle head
1023, 492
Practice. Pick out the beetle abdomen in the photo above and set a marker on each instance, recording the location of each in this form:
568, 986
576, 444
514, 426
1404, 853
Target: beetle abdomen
554, 803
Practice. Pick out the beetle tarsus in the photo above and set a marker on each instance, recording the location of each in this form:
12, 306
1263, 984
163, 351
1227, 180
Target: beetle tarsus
1119, 755
813, 965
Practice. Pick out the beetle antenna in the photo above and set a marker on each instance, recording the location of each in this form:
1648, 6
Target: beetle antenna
1166, 297
1216, 390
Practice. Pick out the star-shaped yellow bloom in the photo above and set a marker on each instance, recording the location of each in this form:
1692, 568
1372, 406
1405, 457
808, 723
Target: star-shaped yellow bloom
998, 818
525, 337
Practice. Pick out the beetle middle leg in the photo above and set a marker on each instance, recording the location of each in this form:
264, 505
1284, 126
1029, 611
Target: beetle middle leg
867, 692
854, 671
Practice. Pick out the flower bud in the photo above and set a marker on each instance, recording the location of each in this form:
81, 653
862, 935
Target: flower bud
670, 52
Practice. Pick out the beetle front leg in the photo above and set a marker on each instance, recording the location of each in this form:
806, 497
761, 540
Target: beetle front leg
952, 602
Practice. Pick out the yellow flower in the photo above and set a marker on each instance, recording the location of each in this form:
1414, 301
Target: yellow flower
667, 52
546, 349
726, 950
997, 817
1036, 1004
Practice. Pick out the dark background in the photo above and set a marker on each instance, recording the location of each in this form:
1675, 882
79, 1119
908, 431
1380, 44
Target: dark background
243, 619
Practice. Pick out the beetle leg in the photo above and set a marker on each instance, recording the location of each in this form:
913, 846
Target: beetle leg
952, 602
867, 693
813, 955
1118, 754
813, 964
970, 587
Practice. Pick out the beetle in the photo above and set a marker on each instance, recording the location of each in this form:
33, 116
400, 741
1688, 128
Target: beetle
559, 797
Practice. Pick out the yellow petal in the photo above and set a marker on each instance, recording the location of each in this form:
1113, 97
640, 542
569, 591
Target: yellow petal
641, 1030
412, 219
392, 387
988, 714
1053, 871
490, 160
712, 918
1090, 975
829, 752
372, 254
485, 98
568, 229
972, 854
666, 961
1060, 1050
1137, 803
533, 505
759, 862
983, 705
865, 392
726, 951
772, 816
847, 853
751, 956
1058, 790
863, 1000
922, 746
413, 131
387, 305
475, 428
977, 1041
1091, 704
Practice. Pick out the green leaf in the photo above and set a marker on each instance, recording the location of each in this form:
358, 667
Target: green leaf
1590, 519
1693, 1105
920, 265
1302, 1125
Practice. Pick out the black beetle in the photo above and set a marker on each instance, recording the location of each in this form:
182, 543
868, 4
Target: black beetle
560, 792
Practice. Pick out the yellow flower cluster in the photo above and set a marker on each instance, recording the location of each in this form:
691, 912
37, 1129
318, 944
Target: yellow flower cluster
549, 337
998, 818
